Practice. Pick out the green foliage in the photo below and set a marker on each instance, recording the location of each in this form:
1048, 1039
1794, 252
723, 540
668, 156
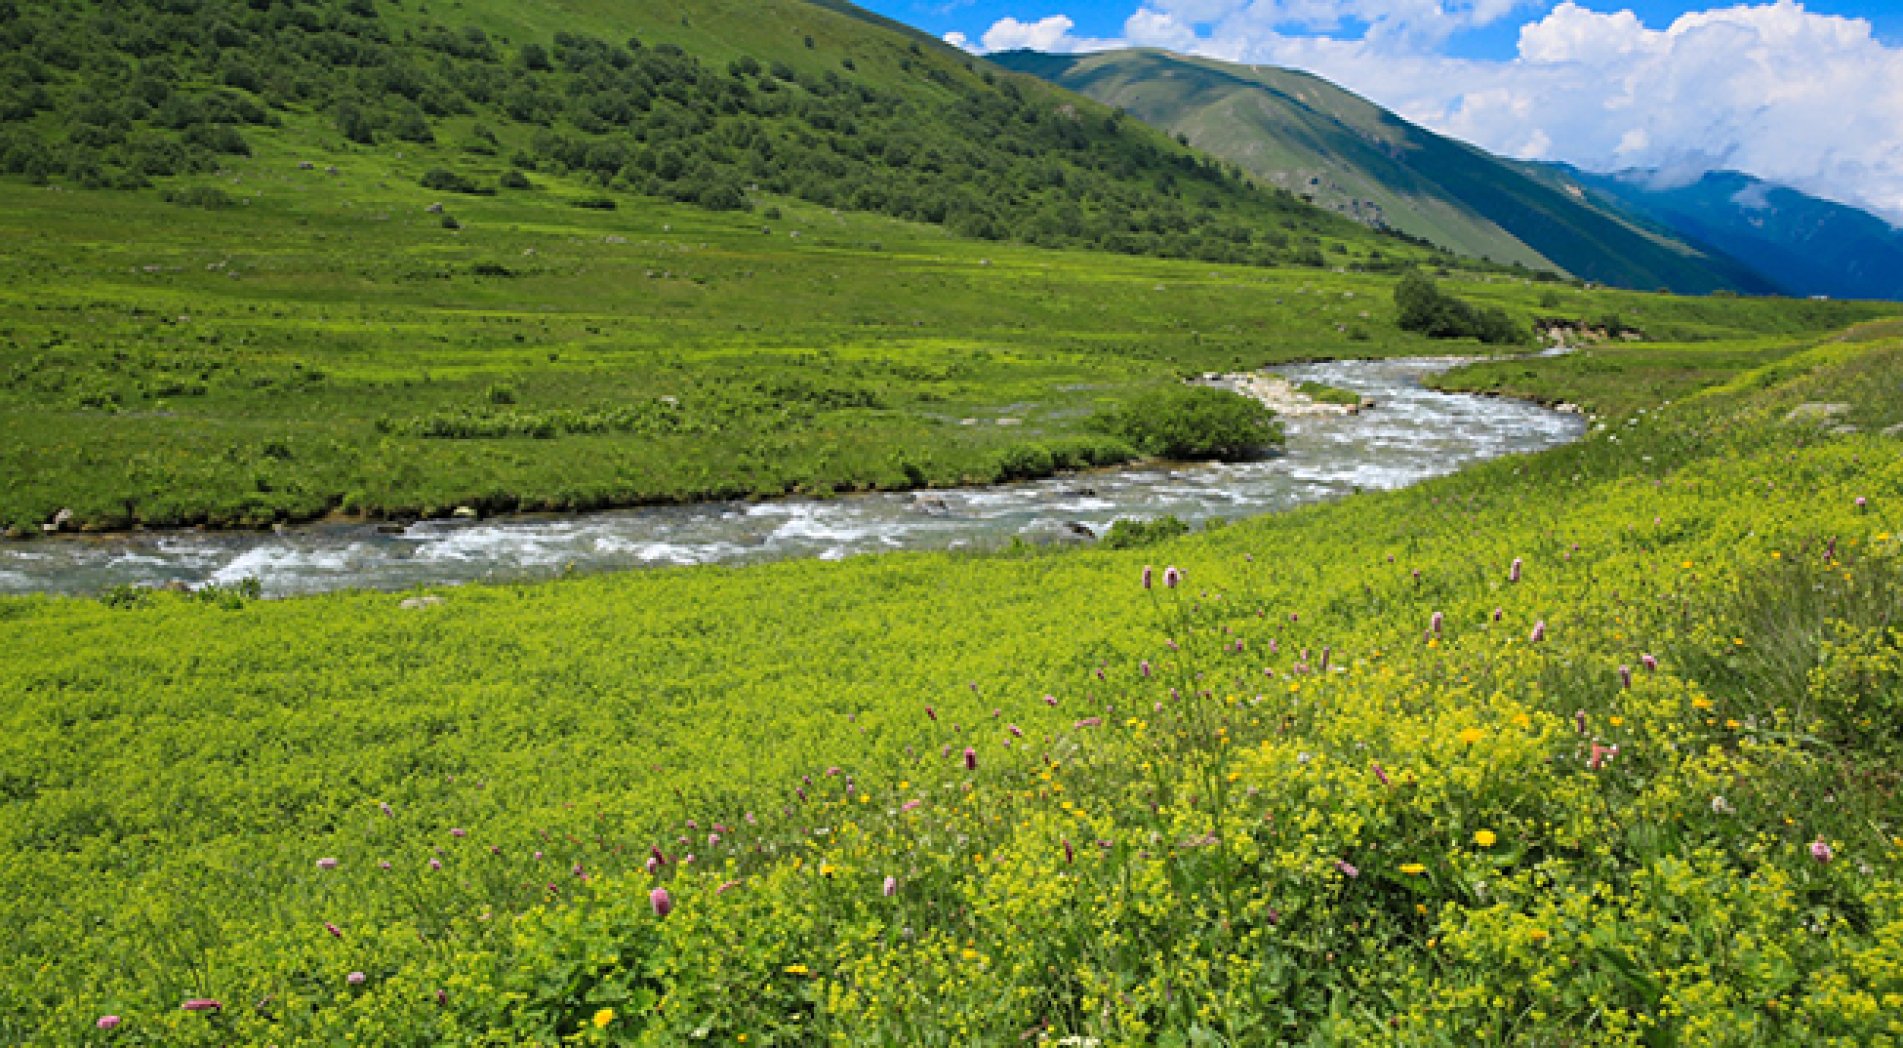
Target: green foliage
1426, 309
448, 181
1133, 532
1196, 422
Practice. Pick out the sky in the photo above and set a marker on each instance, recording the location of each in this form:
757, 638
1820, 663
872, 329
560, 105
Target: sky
1806, 93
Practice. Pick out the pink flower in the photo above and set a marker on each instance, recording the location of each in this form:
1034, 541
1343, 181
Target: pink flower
1579, 721
458, 832
1069, 855
1016, 732
971, 759
932, 713
655, 856
653, 865
910, 805
1821, 851
1861, 502
335, 932
384, 806
1347, 869
200, 1004
1651, 664
726, 886
1434, 623
355, 978
1625, 677
327, 863
1144, 667
436, 864
1147, 576
108, 1022
1539, 632
1088, 722
1050, 700
1600, 755
891, 886
662, 902
1497, 612
1513, 573
1172, 577
1380, 773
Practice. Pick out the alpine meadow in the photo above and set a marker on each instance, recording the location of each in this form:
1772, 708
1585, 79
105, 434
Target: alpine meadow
1593, 745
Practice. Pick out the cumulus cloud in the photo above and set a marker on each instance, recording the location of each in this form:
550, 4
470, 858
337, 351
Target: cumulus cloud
1045, 34
1810, 100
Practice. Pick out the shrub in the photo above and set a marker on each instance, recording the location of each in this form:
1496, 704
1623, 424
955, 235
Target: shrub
1196, 422
1428, 310
1131, 532
447, 181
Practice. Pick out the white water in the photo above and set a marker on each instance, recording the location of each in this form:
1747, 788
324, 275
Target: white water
1411, 434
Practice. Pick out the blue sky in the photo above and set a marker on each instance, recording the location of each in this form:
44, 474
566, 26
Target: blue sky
1497, 41
1806, 93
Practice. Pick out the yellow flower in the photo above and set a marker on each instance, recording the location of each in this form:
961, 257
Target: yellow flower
1701, 703
1485, 838
604, 1017
797, 969
826, 869
1469, 736
1615, 721
1413, 869
969, 954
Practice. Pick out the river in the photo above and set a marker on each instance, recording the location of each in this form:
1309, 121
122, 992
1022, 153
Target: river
1411, 434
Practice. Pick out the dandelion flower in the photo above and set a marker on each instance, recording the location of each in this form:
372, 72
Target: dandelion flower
604, 1017
1470, 736
1485, 838
797, 969
1413, 869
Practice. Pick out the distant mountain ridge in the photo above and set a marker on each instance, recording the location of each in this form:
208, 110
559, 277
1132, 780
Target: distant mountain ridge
1804, 244
1300, 132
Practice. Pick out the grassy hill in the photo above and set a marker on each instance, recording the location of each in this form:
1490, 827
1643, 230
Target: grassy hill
708, 103
1306, 135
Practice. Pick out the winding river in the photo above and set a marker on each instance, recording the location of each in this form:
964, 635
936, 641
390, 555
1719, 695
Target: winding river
1411, 434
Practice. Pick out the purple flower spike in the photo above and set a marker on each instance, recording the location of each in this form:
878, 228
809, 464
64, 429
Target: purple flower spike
1347, 869
1148, 576
971, 759
1434, 623
201, 1004
1513, 573
335, 932
327, 863
355, 978
1539, 632
1625, 677
1821, 851
1379, 772
891, 886
108, 1022
1172, 577
1651, 664
662, 902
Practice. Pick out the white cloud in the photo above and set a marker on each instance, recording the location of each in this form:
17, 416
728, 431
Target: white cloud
1809, 100
1045, 34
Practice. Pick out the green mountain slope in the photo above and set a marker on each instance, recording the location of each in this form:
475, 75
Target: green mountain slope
710, 102
1305, 134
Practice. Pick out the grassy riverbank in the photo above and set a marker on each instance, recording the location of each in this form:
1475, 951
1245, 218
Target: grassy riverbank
339, 350
1364, 830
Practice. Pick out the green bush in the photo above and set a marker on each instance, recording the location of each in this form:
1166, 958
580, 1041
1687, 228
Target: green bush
1131, 532
1195, 423
1428, 310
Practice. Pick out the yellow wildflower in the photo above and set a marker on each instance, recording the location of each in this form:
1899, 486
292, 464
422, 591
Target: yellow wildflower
1413, 869
604, 1017
1485, 838
797, 969
1469, 736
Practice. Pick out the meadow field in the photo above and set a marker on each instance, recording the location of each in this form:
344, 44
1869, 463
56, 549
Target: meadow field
324, 345
1596, 746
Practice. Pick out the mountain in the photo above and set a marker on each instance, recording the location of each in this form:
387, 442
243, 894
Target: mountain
711, 102
1305, 134
1803, 244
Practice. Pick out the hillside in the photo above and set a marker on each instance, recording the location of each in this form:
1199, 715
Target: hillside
1300, 132
708, 103
1807, 246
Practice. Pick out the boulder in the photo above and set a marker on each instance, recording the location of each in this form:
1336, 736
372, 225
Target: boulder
465, 513
418, 603
435, 209
58, 522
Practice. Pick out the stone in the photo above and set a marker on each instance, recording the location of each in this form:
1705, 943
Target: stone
1815, 413
435, 209
465, 513
58, 521
418, 603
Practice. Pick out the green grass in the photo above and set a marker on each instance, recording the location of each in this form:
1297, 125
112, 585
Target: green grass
175, 768
292, 356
